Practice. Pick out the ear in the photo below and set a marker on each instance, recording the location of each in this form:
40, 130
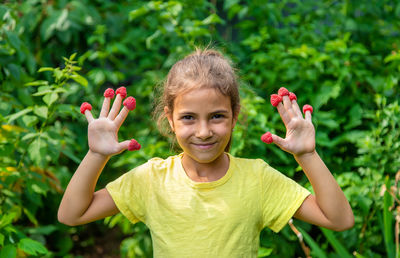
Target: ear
168, 114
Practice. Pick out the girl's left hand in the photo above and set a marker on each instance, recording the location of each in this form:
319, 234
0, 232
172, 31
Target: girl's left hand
300, 132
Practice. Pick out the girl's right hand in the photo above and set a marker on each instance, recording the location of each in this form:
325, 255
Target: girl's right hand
103, 131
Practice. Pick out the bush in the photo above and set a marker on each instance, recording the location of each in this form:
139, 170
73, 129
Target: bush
340, 56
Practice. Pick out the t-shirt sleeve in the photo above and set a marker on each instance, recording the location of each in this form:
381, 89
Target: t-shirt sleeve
281, 197
128, 193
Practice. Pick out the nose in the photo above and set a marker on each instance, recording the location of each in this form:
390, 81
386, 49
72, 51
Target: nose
203, 130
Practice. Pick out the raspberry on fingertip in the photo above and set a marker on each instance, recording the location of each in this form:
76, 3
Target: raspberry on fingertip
134, 145
283, 92
109, 93
121, 91
85, 106
267, 138
307, 108
275, 99
130, 103
292, 96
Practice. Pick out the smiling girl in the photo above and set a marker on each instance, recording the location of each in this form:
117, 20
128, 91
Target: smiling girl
204, 202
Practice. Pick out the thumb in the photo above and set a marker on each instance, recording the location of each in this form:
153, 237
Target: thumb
272, 138
130, 145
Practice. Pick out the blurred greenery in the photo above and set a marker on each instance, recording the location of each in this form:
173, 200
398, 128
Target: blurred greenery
342, 57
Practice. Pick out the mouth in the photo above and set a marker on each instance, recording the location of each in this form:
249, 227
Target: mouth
204, 146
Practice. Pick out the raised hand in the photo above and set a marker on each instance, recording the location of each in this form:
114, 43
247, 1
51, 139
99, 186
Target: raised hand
300, 132
103, 131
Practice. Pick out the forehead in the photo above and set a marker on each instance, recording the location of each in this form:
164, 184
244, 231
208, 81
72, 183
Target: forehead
202, 99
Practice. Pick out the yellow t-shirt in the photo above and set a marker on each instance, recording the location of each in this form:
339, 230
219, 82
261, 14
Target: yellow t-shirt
222, 218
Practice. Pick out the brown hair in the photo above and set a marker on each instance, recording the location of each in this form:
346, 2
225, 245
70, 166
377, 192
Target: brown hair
204, 68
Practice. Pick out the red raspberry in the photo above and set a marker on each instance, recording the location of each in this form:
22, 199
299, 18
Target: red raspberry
283, 92
134, 145
109, 93
292, 96
267, 138
307, 108
275, 99
122, 91
85, 106
130, 103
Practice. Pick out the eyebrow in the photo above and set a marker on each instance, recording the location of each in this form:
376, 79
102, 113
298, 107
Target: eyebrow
214, 112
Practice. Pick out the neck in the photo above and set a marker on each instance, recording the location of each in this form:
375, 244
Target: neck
205, 172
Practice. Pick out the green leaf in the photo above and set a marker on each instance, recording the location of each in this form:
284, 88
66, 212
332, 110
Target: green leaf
263, 252
30, 121
50, 98
7, 219
315, 249
339, 248
45, 69
8, 251
80, 79
32, 247
12, 117
37, 83
37, 151
41, 111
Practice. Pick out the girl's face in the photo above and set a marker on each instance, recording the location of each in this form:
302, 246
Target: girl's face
202, 120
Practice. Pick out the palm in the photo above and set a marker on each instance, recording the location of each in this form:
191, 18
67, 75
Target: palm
300, 137
103, 136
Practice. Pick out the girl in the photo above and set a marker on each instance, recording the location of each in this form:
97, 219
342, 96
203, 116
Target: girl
204, 202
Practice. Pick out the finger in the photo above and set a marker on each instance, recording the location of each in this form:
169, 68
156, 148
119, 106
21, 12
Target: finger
308, 116
279, 141
296, 108
105, 108
89, 116
288, 106
130, 145
307, 110
85, 109
283, 113
121, 117
115, 107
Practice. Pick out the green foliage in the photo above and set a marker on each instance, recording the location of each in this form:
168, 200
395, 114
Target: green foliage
342, 57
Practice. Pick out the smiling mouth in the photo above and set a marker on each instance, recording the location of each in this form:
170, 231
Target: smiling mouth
204, 146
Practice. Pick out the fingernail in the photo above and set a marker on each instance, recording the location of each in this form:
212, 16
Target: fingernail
109, 93
283, 92
275, 99
85, 106
130, 103
267, 138
121, 91
134, 145
307, 107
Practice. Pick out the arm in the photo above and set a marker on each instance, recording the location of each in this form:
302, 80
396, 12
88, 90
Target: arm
329, 207
80, 204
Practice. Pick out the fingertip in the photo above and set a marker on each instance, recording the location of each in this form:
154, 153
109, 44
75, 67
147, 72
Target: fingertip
275, 100
109, 93
306, 108
267, 138
85, 106
121, 91
292, 96
130, 103
134, 145
283, 92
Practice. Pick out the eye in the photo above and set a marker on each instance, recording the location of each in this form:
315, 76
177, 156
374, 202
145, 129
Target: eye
217, 116
187, 117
